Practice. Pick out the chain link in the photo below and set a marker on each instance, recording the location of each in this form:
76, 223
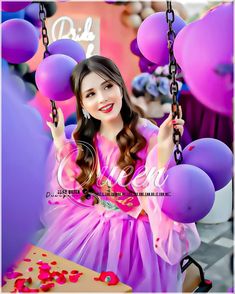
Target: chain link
170, 17
45, 40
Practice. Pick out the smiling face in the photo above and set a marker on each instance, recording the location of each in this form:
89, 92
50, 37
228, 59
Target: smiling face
101, 97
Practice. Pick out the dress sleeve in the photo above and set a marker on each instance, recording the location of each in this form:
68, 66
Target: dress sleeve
61, 184
172, 241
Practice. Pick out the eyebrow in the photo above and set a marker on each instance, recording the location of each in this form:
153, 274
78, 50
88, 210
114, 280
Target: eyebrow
91, 89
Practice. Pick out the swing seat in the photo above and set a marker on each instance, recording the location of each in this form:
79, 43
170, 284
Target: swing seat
194, 279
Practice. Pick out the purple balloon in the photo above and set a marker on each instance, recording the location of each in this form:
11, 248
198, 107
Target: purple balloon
23, 164
192, 194
14, 6
152, 37
134, 48
32, 14
69, 131
68, 47
146, 66
53, 77
23, 43
213, 157
209, 74
179, 43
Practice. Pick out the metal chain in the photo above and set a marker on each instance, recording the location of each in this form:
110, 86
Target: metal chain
170, 17
45, 40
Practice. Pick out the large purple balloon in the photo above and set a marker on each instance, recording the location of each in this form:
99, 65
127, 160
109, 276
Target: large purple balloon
19, 40
14, 6
23, 164
179, 43
213, 157
68, 47
32, 14
53, 77
208, 47
152, 37
192, 193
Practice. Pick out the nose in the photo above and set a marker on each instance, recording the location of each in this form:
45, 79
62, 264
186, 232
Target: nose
102, 97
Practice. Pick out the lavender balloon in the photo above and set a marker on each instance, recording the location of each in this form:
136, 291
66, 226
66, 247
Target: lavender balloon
14, 6
213, 157
69, 131
134, 48
23, 174
68, 47
207, 59
23, 43
192, 194
146, 66
32, 14
53, 77
152, 37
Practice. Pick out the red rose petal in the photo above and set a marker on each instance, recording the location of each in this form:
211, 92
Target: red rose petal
64, 272
190, 148
97, 279
45, 267
40, 262
19, 284
13, 275
44, 254
44, 275
74, 278
74, 272
53, 262
47, 287
30, 269
27, 259
61, 279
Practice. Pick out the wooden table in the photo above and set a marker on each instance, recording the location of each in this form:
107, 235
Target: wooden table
85, 283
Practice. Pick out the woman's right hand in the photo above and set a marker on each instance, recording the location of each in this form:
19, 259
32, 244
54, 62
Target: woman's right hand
58, 133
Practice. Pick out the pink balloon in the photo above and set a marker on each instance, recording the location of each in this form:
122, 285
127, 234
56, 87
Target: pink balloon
53, 77
14, 6
152, 37
208, 47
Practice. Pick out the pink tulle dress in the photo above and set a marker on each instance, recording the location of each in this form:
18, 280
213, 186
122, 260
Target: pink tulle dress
127, 235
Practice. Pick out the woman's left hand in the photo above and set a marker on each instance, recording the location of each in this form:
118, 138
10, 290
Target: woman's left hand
165, 136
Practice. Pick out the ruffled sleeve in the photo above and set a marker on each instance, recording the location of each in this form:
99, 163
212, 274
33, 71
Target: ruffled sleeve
172, 241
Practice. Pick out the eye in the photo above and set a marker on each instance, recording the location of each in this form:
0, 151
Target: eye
90, 94
108, 86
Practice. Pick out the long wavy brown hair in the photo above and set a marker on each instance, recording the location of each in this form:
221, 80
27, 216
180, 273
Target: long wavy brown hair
129, 140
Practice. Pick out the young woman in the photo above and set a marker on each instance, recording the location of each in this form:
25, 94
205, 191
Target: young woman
112, 151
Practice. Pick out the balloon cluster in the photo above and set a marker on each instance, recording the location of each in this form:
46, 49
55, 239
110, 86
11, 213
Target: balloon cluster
144, 64
207, 167
135, 12
212, 36
21, 20
54, 72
